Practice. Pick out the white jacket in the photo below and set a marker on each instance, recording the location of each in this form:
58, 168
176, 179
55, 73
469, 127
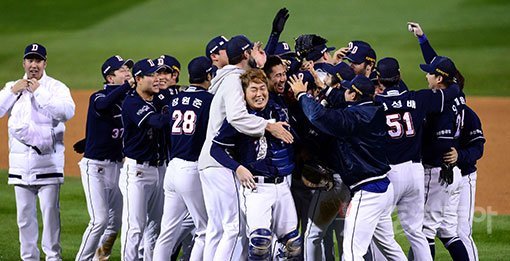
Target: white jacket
36, 131
228, 102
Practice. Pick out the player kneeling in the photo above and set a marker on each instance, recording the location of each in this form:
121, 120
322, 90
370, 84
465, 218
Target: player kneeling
262, 166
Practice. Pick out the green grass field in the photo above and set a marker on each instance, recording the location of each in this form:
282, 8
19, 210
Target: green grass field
472, 32
492, 233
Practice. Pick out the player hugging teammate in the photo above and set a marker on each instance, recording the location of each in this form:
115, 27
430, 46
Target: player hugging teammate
266, 145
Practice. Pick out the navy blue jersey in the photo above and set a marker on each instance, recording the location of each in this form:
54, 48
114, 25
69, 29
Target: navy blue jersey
405, 113
360, 132
190, 114
471, 142
442, 131
143, 125
264, 156
104, 129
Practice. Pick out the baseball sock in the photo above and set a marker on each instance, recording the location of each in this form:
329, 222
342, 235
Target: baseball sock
432, 245
456, 248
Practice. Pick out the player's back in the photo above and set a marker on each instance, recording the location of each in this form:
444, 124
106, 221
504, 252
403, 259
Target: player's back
405, 112
190, 114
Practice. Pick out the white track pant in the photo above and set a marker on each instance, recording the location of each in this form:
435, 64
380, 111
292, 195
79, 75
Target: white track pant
26, 205
407, 179
441, 204
142, 190
369, 215
183, 193
465, 214
100, 180
225, 237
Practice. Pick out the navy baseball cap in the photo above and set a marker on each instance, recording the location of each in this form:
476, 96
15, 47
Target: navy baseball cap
168, 62
361, 85
440, 65
144, 67
35, 50
237, 45
360, 52
198, 68
283, 49
342, 71
215, 45
114, 63
388, 69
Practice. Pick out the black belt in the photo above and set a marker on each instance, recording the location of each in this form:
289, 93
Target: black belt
272, 180
40, 176
152, 163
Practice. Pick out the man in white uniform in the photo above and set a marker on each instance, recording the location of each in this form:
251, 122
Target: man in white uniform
38, 106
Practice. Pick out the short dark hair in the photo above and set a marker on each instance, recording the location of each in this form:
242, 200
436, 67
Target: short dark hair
253, 75
390, 81
271, 62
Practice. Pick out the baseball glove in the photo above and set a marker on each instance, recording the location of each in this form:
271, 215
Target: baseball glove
446, 174
79, 146
306, 43
317, 176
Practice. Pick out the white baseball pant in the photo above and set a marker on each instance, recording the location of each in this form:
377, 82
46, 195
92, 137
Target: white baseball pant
270, 206
225, 237
408, 187
26, 206
465, 214
369, 216
183, 193
100, 180
142, 190
441, 204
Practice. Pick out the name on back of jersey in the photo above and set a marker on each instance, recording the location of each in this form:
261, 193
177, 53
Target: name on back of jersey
197, 103
399, 104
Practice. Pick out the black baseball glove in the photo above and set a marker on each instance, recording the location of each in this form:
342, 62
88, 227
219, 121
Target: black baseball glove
317, 176
79, 146
279, 21
446, 174
306, 43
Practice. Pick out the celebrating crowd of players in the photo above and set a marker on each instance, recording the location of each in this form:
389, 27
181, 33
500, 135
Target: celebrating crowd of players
260, 155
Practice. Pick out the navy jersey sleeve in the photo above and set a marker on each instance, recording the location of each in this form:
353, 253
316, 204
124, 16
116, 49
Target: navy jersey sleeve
225, 140
472, 139
335, 97
103, 101
345, 121
426, 49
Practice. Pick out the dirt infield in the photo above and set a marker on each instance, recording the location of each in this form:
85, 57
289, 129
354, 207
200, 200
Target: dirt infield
493, 176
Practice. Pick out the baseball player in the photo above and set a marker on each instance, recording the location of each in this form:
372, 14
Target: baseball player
216, 51
37, 105
441, 179
362, 164
168, 74
141, 177
441, 207
471, 142
262, 164
100, 166
405, 113
220, 186
362, 57
183, 190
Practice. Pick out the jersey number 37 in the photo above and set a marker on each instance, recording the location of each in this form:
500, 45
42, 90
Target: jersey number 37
183, 122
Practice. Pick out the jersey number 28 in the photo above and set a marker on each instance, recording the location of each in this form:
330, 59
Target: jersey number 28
400, 124
183, 122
